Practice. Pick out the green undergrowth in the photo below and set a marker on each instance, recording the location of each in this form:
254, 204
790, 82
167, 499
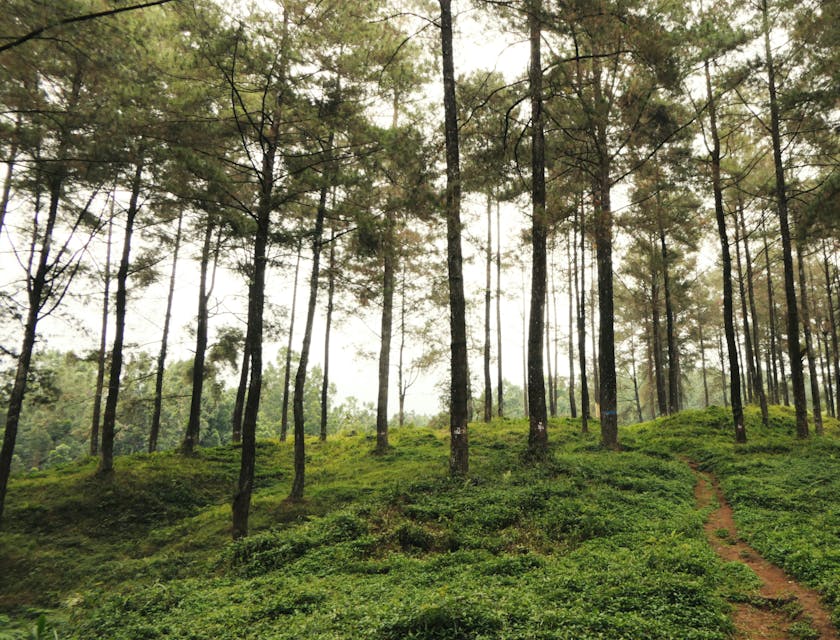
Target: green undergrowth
785, 492
586, 544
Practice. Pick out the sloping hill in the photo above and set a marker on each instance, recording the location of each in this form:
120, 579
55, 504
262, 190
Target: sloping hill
590, 544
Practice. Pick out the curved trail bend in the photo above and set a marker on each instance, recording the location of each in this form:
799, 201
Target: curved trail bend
767, 618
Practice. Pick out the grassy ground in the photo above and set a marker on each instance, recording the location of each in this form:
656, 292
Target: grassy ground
589, 544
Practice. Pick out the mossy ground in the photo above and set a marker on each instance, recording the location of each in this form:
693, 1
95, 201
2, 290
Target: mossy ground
587, 544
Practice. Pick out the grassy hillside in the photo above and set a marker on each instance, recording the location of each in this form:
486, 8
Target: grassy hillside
589, 544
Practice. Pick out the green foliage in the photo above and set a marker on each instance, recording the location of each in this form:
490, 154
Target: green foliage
588, 544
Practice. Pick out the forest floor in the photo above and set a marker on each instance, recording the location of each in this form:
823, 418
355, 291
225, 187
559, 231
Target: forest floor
585, 545
782, 602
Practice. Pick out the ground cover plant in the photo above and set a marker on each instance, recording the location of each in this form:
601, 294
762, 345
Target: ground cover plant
587, 544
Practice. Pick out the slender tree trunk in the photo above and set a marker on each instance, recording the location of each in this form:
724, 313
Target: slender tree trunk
300, 377
728, 315
500, 405
488, 384
670, 331
749, 354
524, 345
164, 342
325, 385
659, 375
256, 303
103, 342
825, 371
571, 240
759, 382
635, 379
552, 392
109, 420
703, 366
459, 450
401, 384
580, 301
775, 347
722, 370
284, 417
239, 402
194, 423
596, 377
37, 289
385, 337
537, 417
794, 352
651, 384
809, 345
832, 320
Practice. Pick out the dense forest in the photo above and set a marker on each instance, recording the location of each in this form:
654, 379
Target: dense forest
669, 173
663, 179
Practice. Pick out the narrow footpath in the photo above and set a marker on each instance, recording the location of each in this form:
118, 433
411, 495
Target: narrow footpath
783, 608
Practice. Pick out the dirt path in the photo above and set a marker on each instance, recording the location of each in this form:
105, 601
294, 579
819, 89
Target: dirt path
783, 608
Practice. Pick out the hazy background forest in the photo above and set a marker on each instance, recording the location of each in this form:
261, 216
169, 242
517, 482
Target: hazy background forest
147, 154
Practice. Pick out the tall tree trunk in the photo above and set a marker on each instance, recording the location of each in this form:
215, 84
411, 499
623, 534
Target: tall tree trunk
659, 375
670, 331
825, 371
256, 302
385, 337
524, 345
194, 423
809, 345
832, 319
401, 383
38, 292
749, 354
459, 452
728, 314
500, 404
537, 417
635, 379
109, 420
794, 353
703, 366
300, 377
571, 240
488, 384
759, 381
651, 384
775, 347
239, 402
287, 375
722, 370
154, 431
596, 377
325, 385
552, 390
580, 301
102, 356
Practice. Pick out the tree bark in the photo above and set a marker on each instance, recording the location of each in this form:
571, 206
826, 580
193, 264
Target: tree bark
537, 418
809, 343
703, 365
10, 164
635, 379
287, 375
385, 336
749, 354
722, 370
656, 329
571, 240
38, 292
759, 381
103, 342
154, 431
300, 377
109, 420
772, 323
488, 384
256, 302
325, 385
832, 319
580, 301
728, 315
794, 351
239, 402
674, 403
500, 404
401, 384
459, 451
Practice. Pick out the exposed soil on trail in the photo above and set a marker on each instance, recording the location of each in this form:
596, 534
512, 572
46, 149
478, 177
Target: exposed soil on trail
782, 607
